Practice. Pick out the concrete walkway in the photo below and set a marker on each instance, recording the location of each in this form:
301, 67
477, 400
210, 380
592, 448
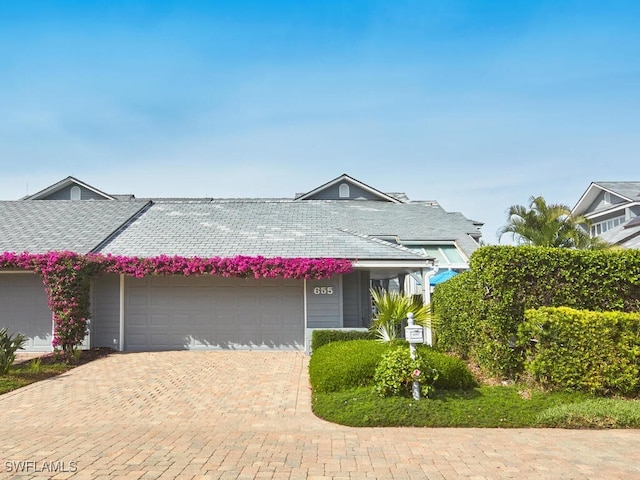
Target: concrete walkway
245, 415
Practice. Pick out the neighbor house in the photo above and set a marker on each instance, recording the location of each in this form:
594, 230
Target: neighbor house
386, 236
613, 208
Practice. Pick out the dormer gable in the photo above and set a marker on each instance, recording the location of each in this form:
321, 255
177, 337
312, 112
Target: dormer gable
345, 187
603, 196
70, 188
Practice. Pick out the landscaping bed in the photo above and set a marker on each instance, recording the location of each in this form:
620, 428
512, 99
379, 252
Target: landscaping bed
344, 391
46, 366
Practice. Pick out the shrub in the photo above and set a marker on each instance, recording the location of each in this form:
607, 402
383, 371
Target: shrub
480, 310
340, 365
595, 352
322, 337
397, 371
9, 344
392, 308
453, 373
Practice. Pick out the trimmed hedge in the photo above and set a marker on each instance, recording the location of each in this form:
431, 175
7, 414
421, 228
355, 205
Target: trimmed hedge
480, 310
322, 337
453, 372
340, 365
344, 365
594, 352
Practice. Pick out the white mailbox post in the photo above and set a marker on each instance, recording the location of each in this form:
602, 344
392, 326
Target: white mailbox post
414, 335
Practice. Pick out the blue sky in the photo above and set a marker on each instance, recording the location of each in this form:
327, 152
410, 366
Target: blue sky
476, 104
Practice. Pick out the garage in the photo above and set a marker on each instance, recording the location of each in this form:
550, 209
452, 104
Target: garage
178, 312
24, 309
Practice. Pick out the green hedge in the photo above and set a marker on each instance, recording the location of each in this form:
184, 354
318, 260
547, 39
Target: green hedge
480, 310
340, 365
344, 365
594, 352
322, 337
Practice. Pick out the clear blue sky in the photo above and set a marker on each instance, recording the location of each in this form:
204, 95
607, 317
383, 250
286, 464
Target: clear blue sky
476, 104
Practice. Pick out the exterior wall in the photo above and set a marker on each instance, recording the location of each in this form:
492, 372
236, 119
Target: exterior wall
599, 204
324, 303
105, 320
65, 194
356, 299
333, 193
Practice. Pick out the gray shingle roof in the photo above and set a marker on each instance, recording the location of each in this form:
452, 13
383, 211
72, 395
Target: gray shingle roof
288, 228
630, 190
39, 226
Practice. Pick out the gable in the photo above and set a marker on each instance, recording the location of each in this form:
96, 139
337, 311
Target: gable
604, 201
345, 187
70, 189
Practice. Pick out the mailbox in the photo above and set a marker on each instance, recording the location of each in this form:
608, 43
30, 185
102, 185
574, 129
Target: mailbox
414, 334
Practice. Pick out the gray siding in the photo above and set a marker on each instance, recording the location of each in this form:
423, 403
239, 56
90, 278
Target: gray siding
356, 301
24, 309
355, 192
65, 194
599, 204
105, 322
324, 310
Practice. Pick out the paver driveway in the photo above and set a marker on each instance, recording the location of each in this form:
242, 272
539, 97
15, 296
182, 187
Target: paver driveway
247, 415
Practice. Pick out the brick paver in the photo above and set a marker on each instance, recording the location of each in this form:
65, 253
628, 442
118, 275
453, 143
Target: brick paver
246, 415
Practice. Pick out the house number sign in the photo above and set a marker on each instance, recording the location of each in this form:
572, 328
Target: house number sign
323, 291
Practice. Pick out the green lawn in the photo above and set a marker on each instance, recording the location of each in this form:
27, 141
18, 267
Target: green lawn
485, 406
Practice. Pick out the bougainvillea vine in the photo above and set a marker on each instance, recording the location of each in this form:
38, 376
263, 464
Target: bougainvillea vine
67, 278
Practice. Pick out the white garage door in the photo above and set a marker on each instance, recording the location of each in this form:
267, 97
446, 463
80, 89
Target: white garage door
24, 309
176, 312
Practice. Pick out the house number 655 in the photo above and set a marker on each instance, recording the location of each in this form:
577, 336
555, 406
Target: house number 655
323, 291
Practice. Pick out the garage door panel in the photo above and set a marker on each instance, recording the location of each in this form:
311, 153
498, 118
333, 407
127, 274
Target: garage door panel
208, 313
24, 309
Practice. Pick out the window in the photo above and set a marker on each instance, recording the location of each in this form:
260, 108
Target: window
75, 193
601, 227
344, 191
607, 197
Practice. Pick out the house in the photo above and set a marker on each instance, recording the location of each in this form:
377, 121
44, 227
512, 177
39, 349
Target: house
386, 236
613, 208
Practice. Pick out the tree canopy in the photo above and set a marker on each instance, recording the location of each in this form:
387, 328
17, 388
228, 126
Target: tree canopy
548, 225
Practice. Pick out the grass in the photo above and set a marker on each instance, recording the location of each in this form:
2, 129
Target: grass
487, 405
484, 406
35, 370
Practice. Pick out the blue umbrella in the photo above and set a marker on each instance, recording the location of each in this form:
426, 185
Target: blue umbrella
442, 277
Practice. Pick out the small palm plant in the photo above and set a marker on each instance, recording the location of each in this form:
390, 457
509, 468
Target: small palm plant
9, 344
392, 309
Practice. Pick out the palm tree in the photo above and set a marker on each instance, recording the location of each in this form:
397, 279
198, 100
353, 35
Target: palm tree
548, 225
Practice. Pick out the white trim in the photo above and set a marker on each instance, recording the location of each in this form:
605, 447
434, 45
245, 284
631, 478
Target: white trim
75, 193
305, 316
64, 183
122, 313
346, 178
418, 264
341, 300
619, 206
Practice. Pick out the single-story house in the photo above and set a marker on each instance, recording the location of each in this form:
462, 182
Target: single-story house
386, 236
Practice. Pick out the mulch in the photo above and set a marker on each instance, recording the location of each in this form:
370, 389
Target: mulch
49, 358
